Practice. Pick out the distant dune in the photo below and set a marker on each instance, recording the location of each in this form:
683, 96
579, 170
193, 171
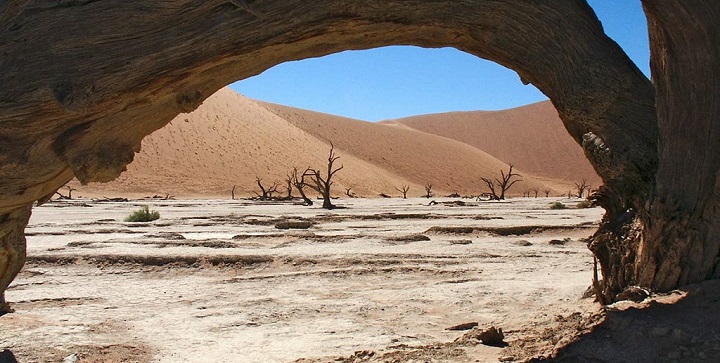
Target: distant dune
531, 137
230, 140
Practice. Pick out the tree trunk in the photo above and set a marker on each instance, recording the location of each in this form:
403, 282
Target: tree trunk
327, 204
671, 237
682, 231
12, 250
327, 199
304, 197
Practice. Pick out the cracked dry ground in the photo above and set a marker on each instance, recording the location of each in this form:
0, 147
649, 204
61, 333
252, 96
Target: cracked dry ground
379, 281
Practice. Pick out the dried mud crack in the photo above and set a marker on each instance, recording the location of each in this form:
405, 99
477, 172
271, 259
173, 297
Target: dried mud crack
199, 284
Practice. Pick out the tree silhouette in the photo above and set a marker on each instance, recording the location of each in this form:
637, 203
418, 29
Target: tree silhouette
298, 181
404, 190
428, 190
322, 184
502, 184
266, 193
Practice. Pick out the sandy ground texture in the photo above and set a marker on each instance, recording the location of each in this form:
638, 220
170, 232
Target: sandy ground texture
379, 281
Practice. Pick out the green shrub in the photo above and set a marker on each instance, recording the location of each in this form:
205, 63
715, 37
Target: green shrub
143, 215
557, 205
584, 204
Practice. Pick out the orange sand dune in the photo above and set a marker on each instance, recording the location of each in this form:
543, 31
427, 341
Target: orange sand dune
531, 137
420, 158
231, 139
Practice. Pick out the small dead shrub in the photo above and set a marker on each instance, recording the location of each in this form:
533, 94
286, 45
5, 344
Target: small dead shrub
557, 205
584, 204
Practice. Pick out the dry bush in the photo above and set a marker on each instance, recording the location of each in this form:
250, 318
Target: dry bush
143, 214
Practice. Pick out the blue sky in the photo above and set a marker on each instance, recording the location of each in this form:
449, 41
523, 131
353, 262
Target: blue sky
393, 82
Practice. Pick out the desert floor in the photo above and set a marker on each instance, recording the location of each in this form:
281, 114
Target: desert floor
382, 279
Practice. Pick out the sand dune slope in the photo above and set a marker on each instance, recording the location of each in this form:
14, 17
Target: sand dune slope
230, 140
531, 137
418, 157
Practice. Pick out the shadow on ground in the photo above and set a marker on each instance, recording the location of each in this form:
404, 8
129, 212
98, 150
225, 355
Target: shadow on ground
683, 326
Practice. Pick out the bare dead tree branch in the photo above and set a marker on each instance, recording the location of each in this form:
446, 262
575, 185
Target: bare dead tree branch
68, 196
503, 184
581, 187
491, 185
428, 190
404, 190
266, 192
298, 182
322, 184
289, 185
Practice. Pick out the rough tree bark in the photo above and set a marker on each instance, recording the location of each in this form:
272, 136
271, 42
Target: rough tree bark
12, 249
682, 230
670, 236
84, 81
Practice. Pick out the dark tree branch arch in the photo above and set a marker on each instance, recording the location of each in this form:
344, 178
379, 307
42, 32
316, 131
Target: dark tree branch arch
96, 94
83, 83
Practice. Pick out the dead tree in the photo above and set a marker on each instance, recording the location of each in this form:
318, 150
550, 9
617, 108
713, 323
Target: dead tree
289, 185
536, 191
547, 192
349, 193
428, 190
507, 181
404, 190
298, 181
503, 184
581, 187
491, 185
322, 184
69, 195
266, 192
232, 192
